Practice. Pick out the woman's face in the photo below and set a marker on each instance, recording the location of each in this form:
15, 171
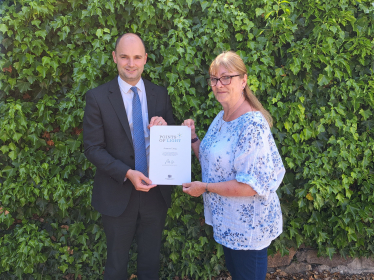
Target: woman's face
228, 94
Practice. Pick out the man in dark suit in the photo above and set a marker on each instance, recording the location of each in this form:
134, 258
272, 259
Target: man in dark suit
128, 201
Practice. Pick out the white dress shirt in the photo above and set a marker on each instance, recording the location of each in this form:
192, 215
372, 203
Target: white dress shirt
127, 95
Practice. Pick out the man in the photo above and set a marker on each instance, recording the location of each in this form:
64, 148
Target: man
116, 125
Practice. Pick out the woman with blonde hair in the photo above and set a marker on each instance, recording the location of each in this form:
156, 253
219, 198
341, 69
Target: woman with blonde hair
241, 171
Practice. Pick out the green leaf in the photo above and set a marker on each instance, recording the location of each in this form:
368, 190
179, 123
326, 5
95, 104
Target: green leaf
41, 33
330, 251
259, 12
190, 69
323, 80
73, 144
239, 37
365, 113
99, 33
4, 149
3, 28
204, 5
13, 155
46, 60
76, 229
172, 77
63, 267
268, 15
23, 86
219, 249
186, 83
42, 70
36, 22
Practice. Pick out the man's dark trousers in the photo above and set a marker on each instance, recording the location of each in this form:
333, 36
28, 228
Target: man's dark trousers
143, 219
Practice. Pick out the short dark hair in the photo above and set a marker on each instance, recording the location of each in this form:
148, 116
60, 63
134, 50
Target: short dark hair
120, 37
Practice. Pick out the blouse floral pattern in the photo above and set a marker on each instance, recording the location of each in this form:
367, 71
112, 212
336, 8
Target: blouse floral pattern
242, 150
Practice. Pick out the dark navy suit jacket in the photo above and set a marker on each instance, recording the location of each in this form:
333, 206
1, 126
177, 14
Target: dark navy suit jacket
108, 143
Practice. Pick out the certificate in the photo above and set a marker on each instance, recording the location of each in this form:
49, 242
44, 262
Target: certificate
170, 155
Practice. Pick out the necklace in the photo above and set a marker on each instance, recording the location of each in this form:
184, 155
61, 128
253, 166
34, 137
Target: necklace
228, 117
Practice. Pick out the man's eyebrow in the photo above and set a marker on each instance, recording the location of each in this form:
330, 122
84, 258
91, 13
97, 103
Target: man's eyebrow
137, 55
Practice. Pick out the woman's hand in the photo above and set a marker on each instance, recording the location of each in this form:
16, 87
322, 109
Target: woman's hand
194, 189
191, 124
157, 121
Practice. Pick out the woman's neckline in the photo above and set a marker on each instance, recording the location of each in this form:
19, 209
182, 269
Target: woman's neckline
237, 117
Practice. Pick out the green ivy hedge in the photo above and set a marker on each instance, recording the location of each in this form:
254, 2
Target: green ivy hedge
310, 62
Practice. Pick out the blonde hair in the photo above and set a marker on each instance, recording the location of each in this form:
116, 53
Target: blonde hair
233, 62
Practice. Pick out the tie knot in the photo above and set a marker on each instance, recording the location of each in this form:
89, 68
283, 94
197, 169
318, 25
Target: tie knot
134, 89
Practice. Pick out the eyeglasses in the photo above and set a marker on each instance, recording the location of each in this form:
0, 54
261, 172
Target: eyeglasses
225, 80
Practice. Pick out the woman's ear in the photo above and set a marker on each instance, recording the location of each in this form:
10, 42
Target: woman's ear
245, 80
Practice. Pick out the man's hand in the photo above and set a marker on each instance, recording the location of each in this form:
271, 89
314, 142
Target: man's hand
140, 182
157, 121
194, 189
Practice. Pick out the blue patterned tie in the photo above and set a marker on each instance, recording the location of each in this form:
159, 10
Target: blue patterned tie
139, 142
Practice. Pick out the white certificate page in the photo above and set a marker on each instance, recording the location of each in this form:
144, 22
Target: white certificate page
170, 155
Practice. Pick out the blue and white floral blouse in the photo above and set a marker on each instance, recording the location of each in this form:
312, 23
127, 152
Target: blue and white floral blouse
242, 150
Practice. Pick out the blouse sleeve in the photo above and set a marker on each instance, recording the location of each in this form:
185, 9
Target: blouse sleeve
257, 161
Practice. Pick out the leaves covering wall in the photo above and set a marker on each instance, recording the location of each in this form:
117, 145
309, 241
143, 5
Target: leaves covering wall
310, 62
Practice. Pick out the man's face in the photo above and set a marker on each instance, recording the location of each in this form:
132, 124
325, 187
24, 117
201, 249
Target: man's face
130, 57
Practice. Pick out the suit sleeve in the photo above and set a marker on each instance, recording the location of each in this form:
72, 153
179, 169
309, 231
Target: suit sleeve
94, 142
169, 111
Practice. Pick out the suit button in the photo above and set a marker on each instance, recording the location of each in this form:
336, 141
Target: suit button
132, 157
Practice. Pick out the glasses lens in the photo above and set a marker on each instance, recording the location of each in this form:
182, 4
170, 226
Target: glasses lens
212, 81
225, 80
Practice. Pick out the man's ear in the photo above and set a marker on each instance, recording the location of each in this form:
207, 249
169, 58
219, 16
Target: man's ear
114, 57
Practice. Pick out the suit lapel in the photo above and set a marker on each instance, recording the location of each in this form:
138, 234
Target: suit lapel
151, 98
116, 100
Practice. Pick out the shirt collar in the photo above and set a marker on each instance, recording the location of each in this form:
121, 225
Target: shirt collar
125, 87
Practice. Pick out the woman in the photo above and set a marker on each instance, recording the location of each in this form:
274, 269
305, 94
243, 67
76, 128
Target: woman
241, 170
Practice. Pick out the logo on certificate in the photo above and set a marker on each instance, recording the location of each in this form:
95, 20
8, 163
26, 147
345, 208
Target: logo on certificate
170, 177
171, 138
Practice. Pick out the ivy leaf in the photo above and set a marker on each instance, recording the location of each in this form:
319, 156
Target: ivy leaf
268, 15
329, 70
73, 144
76, 228
259, 12
365, 113
23, 86
42, 70
99, 33
172, 77
219, 249
204, 5
41, 33
4, 149
190, 69
3, 28
330, 251
323, 80
186, 83
193, 101
239, 37
288, 189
